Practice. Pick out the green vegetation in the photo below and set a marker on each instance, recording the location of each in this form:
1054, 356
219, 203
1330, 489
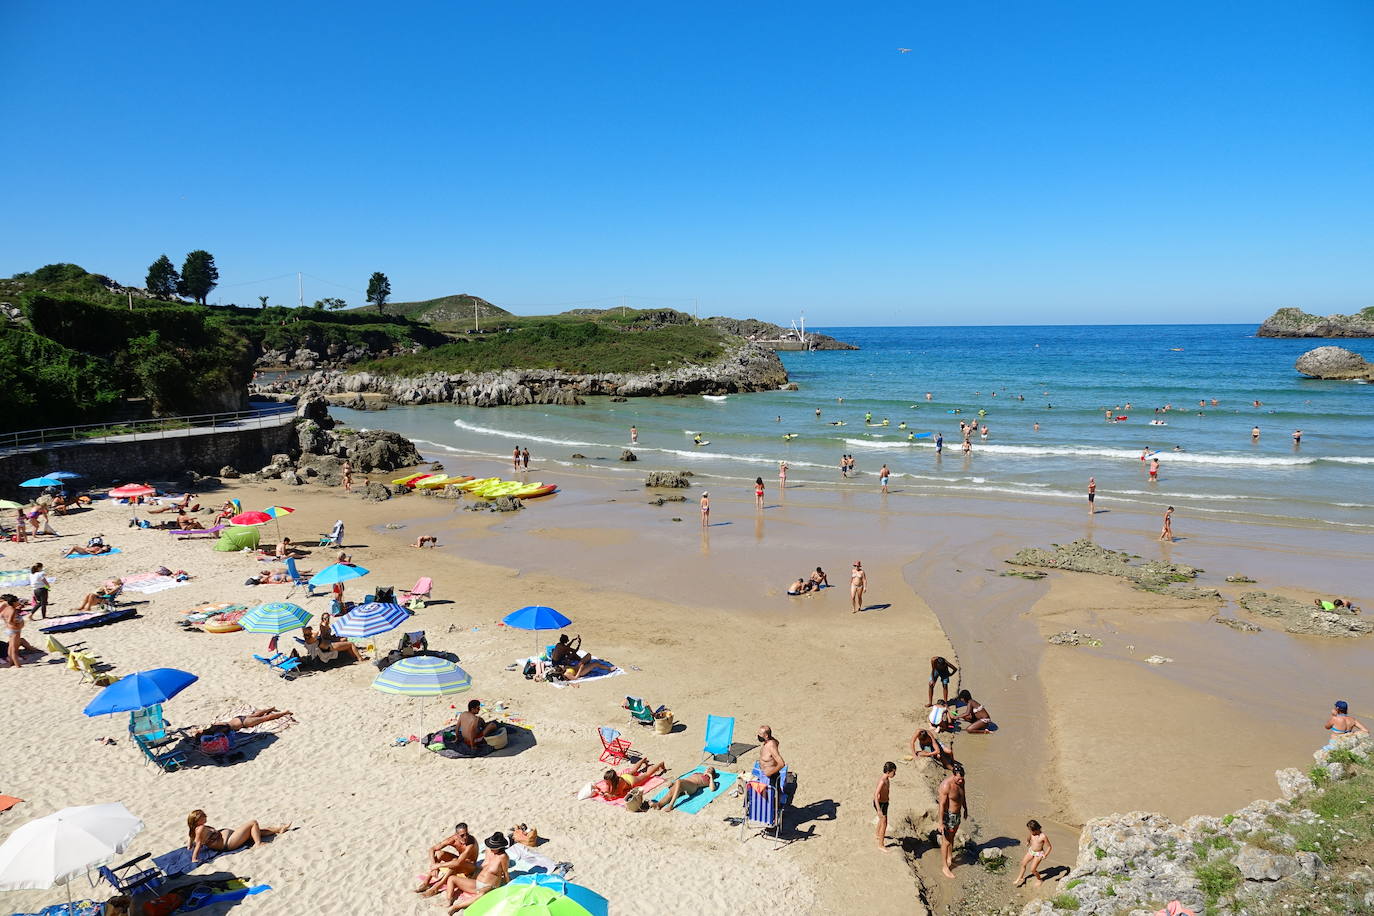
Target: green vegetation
1065, 902
1072, 883
456, 311
378, 290
1100, 852
163, 280
995, 864
1220, 841
199, 275
1217, 879
1319, 776
582, 346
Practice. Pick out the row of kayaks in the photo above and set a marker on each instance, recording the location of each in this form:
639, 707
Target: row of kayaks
486, 487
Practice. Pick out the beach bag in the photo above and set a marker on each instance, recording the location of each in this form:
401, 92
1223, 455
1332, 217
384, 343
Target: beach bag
529, 671
663, 722
635, 800
96, 541
215, 746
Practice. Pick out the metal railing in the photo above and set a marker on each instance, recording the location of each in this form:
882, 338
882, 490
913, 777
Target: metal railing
161, 427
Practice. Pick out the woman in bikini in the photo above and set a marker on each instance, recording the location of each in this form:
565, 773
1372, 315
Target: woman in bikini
201, 835
618, 785
758, 492
495, 873
239, 723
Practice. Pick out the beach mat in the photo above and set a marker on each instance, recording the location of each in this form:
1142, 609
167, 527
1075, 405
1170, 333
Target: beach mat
703, 798
148, 583
81, 621
652, 785
178, 861
87, 556
14, 578
614, 672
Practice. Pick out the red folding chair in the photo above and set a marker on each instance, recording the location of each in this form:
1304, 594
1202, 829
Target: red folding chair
614, 749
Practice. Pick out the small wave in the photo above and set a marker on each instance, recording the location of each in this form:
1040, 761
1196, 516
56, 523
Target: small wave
1173, 495
527, 437
1349, 460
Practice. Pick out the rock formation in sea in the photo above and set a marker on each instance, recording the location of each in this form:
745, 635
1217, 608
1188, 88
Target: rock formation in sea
1334, 363
1293, 322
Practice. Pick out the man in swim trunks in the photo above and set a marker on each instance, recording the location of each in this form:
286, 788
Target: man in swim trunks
1297, 437
939, 443
444, 864
881, 796
1340, 722
618, 785
1092, 494
953, 809
1154, 469
472, 728
770, 758
941, 668
883, 475
818, 579
687, 786
800, 587
858, 581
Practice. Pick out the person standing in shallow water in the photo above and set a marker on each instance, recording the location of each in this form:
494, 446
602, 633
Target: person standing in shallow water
1167, 533
1092, 495
858, 581
705, 509
525, 459
515, 459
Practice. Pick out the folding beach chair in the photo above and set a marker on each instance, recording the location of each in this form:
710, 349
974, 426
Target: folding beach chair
172, 760
148, 725
86, 664
720, 736
129, 879
640, 711
109, 601
285, 665
614, 749
419, 594
335, 537
297, 580
763, 804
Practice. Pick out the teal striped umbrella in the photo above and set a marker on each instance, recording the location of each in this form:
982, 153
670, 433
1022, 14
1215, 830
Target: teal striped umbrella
423, 676
275, 617
372, 619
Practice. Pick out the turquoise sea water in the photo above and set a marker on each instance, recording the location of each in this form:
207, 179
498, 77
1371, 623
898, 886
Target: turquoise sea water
1068, 377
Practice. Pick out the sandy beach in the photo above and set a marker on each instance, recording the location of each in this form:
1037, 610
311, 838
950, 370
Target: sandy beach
697, 620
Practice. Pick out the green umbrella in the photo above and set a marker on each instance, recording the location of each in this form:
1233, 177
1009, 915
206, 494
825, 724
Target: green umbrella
10, 504
536, 899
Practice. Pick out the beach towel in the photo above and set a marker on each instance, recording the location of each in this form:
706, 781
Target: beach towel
599, 676
178, 861
81, 621
653, 785
8, 801
150, 582
84, 556
703, 798
14, 578
525, 861
77, 908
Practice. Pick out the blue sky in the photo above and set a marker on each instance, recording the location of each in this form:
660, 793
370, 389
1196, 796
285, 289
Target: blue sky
1026, 162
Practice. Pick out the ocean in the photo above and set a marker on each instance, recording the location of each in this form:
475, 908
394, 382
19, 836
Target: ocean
1066, 379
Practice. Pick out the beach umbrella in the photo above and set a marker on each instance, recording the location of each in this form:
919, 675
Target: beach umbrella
41, 482
336, 573
533, 895
536, 617
275, 617
140, 690
63, 475
277, 512
371, 619
57, 848
131, 492
10, 504
422, 676
250, 519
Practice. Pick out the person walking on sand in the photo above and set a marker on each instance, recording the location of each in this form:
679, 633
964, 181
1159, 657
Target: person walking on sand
782, 475
758, 492
705, 509
1038, 846
1092, 495
858, 581
942, 669
634, 436
525, 459
12, 623
883, 475
953, 809
347, 474
881, 797
515, 460
1167, 532
40, 583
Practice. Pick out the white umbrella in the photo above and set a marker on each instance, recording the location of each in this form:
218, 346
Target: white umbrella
54, 849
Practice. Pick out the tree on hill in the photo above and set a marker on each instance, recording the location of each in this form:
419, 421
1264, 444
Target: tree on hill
199, 275
163, 279
331, 303
378, 290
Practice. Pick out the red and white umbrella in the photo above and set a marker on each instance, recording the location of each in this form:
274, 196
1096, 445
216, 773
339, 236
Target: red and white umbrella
131, 492
251, 519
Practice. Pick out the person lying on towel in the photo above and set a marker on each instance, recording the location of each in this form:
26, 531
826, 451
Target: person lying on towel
687, 786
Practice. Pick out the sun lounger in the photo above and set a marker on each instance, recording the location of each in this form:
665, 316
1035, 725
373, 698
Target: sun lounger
82, 621
285, 665
184, 533
86, 664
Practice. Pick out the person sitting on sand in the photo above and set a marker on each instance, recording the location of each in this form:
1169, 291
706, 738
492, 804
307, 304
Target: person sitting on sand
472, 728
975, 714
106, 592
495, 873
90, 550
924, 744
315, 647
202, 836
286, 550
426, 540
686, 787
239, 723
455, 854
618, 785
800, 587
940, 717
819, 579
565, 651
1340, 722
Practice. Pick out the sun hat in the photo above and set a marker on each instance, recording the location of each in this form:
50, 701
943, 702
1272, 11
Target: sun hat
497, 841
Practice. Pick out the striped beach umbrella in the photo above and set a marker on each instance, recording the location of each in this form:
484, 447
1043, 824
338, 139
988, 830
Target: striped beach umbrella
276, 512
370, 619
275, 617
423, 676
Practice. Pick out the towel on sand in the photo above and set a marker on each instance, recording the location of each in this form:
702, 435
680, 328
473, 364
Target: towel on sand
82, 556
147, 583
695, 803
651, 786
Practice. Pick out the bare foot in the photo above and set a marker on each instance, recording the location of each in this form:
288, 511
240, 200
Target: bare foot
1019, 883
946, 871
1039, 880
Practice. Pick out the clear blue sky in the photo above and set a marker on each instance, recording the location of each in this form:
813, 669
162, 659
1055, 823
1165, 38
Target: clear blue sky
1026, 162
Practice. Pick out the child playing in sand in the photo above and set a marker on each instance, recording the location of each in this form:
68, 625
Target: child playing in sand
1038, 846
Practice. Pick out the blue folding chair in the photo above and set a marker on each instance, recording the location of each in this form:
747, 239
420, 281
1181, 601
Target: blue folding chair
148, 724
172, 760
720, 736
297, 580
763, 804
287, 666
128, 879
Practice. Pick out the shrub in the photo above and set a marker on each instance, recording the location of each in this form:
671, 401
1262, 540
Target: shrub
1217, 879
1065, 902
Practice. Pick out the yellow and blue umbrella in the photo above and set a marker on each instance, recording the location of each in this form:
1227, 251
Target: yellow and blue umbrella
423, 676
275, 617
371, 619
276, 512
537, 895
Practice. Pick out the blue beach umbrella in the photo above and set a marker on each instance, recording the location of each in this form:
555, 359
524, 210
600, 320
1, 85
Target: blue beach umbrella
536, 617
339, 572
139, 691
541, 895
370, 619
62, 475
423, 676
275, 617
589, 900
41, 482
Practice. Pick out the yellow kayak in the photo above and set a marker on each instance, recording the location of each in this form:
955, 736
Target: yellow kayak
529, 489
470, 485
500, 488
402, 481
429, 483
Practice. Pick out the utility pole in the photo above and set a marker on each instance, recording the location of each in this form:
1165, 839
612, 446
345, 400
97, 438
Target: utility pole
131, 300
300, 289
696, 310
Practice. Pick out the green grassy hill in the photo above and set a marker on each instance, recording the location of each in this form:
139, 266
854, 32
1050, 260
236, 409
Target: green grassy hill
447, 310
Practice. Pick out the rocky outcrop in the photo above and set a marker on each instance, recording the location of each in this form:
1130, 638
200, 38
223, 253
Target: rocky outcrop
1085, 556
667, 479
752, 328
1293, 322
1334, 363
1253, 860
745, 367
1306, 619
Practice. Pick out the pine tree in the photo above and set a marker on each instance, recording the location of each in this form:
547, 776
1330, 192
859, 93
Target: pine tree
199, 275
163, 279
378, 290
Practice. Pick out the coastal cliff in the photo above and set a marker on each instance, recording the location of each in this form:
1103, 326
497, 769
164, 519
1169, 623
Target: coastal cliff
1293, 322
743, 367
1334, 363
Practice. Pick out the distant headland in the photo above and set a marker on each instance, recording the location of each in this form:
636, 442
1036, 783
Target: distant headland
1294, 322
